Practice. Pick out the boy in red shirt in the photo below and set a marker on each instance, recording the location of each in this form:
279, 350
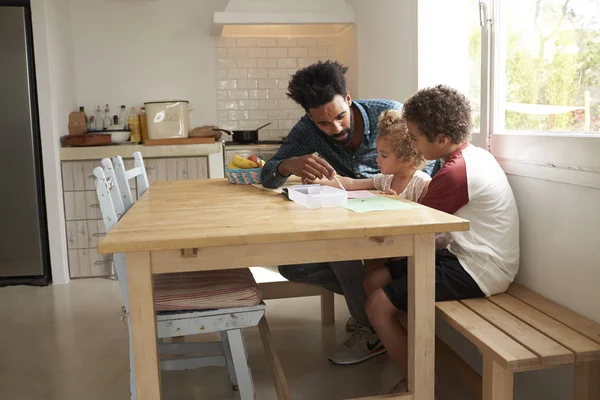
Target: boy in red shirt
480, 262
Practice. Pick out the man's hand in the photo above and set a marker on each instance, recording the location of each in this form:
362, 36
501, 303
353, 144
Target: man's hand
309, 167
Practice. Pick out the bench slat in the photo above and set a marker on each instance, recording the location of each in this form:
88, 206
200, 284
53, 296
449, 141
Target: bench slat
584, 348
488, 339
576, 322
550, 352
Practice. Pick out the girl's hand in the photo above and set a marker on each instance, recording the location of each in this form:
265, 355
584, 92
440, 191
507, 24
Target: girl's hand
390, 191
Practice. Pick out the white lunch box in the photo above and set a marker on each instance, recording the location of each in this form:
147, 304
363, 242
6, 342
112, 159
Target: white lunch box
168, 119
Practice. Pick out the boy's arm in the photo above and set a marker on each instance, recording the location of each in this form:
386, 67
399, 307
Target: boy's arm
448, 191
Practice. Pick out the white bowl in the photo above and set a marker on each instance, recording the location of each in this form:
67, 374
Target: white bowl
119, 136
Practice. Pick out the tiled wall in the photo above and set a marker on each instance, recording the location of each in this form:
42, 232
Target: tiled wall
253, 75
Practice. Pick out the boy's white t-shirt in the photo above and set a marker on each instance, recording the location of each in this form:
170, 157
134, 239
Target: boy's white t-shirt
473, 186
413, 190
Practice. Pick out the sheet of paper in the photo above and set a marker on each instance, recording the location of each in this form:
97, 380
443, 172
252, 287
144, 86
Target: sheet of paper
377, 203
360, 194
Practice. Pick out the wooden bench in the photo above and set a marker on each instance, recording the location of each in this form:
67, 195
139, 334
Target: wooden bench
522, 331
274, 286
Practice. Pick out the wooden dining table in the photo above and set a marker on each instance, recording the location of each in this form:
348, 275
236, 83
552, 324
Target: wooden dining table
184, 226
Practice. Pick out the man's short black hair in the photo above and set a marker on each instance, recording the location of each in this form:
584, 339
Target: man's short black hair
318, 84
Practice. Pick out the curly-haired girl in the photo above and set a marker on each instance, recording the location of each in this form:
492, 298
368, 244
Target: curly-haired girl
399, 161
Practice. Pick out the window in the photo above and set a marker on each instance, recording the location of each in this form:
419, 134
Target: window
547, 67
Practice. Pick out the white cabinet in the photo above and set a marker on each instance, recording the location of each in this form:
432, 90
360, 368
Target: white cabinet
84, 224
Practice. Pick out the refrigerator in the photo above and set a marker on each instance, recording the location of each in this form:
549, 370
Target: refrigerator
24, 255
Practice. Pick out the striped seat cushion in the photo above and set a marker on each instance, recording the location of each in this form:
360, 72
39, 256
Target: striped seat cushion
205, 290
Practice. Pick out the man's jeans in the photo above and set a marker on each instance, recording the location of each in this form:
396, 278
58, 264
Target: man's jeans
342, 277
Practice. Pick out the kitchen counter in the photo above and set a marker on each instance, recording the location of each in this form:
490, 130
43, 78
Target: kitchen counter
126, 151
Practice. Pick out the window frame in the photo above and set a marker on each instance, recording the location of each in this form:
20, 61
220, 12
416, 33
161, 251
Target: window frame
568, 157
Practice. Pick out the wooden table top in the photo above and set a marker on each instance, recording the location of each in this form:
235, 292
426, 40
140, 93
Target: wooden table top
214, 212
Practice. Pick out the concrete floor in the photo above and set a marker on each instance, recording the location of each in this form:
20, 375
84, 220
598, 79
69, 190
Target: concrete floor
66, 342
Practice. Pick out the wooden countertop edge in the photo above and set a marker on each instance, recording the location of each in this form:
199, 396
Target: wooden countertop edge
127, 150
117, 245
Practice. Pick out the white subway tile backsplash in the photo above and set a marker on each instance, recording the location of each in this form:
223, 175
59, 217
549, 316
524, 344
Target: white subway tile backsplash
277, 52
266, 42
226, 41
286, 124
221, 52
247, 84
277, 94
278, 73
258, 73
222, 95
246, 62
286, 104
237, 115
298, 52
229, 125
318, 52
296, 113
268, 104
253, 76
237, 52
258, 52
287, 63
246, 42
226, 63
248, 105
327, 41
286, 42
258, 94
227, 105
237, 73
227, 84
238, 94
307, 42
305, 62
267, 83
267, 63
278, 114
249, 124
258, 114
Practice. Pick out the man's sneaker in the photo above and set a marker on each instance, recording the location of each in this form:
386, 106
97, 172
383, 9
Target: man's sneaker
351, 324
362, 345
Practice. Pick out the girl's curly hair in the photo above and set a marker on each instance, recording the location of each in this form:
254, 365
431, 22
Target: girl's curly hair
440, 110
392, 126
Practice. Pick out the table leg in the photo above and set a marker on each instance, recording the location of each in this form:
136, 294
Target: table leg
421, 318
143, 325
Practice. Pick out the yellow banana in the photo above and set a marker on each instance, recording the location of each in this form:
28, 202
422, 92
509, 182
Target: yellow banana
232, 166
242, 162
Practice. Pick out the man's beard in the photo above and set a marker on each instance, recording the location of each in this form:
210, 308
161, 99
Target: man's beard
349, 131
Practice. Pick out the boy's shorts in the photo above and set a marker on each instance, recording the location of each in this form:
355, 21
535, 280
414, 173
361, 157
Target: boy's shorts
452, 282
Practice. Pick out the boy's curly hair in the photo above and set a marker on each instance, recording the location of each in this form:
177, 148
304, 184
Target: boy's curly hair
317, 84
392, 126
440, 110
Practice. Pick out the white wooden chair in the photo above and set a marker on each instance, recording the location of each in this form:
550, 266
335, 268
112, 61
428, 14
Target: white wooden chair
123, 177
231, 351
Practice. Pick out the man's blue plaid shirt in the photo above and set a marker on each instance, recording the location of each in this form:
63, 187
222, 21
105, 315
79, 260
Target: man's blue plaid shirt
306, 138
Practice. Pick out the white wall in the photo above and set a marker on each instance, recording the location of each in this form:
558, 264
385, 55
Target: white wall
387, 48
56, 98
128, 52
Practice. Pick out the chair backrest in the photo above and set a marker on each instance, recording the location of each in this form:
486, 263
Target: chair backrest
123, 176
108, 194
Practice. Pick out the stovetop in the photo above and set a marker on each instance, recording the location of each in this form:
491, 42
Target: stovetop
255, 143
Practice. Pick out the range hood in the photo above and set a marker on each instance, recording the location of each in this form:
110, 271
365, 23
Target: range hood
283, 18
